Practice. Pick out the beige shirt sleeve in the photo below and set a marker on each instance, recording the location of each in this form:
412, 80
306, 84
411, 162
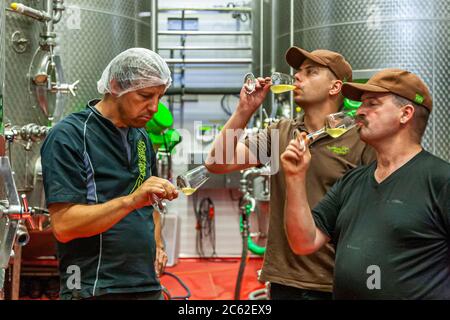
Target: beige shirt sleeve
260, 144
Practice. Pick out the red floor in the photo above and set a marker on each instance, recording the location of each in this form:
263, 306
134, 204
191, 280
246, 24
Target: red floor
213, 279
207, 279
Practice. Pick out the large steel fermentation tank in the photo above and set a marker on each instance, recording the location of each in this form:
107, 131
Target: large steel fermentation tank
378, 34
105, 29
2, 52
88, 36
262, 42
262, 37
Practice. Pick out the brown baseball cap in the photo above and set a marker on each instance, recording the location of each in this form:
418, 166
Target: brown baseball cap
333, 60
400, 82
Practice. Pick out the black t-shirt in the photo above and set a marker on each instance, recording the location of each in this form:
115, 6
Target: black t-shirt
392, 238
85, 160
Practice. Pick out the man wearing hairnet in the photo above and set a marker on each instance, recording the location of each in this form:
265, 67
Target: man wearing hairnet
100, 180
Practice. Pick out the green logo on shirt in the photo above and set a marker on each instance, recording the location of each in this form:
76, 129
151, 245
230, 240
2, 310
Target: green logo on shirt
342, 151
142, 163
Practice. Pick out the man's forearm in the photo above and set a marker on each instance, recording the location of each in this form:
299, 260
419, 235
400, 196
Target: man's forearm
219, 155
299, 223
71, 221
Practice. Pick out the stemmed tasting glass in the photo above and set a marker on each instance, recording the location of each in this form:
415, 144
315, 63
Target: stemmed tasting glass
336, 124
187, 183
281, 82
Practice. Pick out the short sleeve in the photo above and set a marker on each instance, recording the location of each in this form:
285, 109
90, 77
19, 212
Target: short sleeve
326, 212
63, 167
260, 145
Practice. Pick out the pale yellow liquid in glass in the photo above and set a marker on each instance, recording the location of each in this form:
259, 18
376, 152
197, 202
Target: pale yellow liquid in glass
188, 191
280, 88
336, 132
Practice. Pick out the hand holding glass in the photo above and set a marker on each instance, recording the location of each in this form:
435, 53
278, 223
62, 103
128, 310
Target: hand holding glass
187, 183
336, 124
281, 82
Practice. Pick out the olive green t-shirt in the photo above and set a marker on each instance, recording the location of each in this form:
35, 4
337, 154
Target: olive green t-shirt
392, 238
331, 158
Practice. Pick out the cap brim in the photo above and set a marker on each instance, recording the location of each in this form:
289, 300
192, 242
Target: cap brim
295, 57
354, 91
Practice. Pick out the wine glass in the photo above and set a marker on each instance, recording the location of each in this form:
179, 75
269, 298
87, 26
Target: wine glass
336, 124
281, 82
187, 183
249, 83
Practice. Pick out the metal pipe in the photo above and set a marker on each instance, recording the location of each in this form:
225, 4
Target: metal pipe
209, 61
30, 12
58, 7
207, 91
224, 9
206, 33
154, 6
204, 48
22, 235
48, 35
27, 132
49, 23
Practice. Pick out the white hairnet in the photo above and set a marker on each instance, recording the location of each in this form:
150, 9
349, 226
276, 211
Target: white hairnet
134, 69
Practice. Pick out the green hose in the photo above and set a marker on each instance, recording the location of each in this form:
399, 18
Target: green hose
252, 246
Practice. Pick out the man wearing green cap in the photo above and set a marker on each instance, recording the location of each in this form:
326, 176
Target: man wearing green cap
100, 181
319, 77
390, 220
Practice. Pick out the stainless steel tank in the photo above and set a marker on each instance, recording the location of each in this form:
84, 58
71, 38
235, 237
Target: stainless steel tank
378, 34
262, 37
2, 54
88, 36
92, 34
262, 43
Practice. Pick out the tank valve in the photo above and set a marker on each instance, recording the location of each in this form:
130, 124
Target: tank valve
66, 88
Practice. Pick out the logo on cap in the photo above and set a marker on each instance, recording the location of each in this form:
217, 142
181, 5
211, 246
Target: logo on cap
419, 99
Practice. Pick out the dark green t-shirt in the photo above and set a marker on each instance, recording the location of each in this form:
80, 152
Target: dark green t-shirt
392, 238
85, 161
332, 159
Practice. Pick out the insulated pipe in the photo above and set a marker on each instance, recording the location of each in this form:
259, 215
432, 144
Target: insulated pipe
30, 12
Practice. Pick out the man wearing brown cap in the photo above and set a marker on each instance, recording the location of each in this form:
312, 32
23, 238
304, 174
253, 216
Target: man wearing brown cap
319, 79
390, 220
